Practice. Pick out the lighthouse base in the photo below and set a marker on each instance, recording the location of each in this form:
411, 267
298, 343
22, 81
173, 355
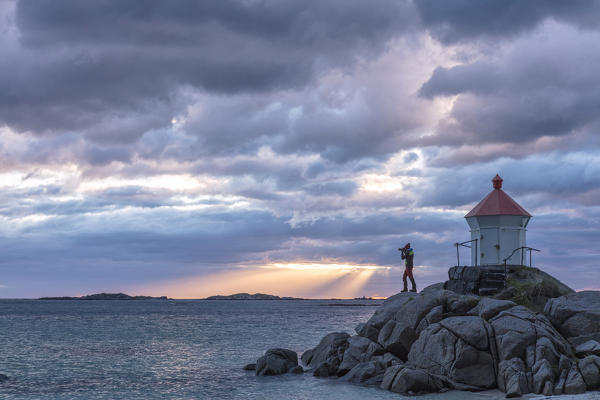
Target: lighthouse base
483, 280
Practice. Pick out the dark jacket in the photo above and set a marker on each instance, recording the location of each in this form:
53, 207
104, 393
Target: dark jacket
408, 255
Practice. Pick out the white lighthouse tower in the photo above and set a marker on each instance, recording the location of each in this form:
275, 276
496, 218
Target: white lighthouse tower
498, 225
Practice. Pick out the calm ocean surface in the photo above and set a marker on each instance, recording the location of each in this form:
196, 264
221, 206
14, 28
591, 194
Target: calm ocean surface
171, 349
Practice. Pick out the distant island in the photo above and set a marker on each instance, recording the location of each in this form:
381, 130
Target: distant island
106, 296
247, 296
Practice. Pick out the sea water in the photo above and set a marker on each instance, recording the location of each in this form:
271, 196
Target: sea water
173, 349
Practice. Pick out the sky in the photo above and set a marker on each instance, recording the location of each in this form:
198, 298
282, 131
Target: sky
190, 148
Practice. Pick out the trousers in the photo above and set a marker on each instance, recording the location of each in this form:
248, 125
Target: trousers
408, 273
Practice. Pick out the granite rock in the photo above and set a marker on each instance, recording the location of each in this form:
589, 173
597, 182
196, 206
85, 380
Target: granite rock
590, 371
576, 316
397, 337
591, 347
367, 373
458, 348
359, 349
327, 356
276, 362
410, 380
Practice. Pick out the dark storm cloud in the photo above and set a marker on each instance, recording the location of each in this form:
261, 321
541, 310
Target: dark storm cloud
114, 68
287, 119
208, 238
453, 21
552, 177
546, 85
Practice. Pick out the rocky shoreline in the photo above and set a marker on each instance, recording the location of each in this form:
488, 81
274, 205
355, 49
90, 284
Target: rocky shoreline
440, 340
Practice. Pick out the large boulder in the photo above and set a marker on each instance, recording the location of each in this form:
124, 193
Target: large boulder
409, 380
522, 333
368, 373
591, 347
530, 350
359, 349
397, 337
512, 377
327, 356
576, 316
543, 374
458, 348
276, 362
574, 383
388, 309
412, 313
436, 314
367, 331
488, 307
590, 371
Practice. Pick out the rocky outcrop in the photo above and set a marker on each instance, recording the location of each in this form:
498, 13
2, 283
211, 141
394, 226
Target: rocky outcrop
439, 340
576, 316
464, 280
524, 285
326, 358
531, 287
458, 348
590, 371
368, 373
276, 362
591, 347
408, 380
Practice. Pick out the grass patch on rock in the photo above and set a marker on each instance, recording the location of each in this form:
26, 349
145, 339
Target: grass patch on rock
531, 287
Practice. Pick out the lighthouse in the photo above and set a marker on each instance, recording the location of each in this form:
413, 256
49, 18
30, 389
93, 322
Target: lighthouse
498, 226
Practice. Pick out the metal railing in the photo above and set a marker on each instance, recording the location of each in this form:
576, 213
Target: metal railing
464, 244
522, 248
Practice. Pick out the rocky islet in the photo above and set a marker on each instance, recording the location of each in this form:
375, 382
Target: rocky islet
439, 340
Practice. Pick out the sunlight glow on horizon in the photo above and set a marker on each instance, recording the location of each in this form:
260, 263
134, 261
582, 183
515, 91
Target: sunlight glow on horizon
307, 280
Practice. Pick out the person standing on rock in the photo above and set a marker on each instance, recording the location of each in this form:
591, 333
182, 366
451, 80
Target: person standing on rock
408, 256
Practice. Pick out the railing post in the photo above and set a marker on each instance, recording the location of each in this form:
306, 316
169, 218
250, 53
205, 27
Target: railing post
530, 265
464, 245
457, 255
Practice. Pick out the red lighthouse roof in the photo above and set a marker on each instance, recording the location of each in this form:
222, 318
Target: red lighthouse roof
497, 203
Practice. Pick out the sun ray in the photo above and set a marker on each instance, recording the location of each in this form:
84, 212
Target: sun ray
296, 279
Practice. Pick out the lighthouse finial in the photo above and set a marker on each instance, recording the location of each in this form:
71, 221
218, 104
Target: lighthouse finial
497, 181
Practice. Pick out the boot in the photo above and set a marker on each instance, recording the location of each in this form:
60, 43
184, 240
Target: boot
413, 284
404, 290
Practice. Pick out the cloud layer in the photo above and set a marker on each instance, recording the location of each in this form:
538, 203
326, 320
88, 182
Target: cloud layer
152, 143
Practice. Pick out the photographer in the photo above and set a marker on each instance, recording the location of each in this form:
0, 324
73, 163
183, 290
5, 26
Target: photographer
408, 256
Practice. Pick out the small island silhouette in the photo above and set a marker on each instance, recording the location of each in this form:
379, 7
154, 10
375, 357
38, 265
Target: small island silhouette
247, 296
106, 296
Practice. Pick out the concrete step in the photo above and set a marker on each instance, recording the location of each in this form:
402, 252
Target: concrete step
487, 291
492, 270
497, 285
492, 275
492, 278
